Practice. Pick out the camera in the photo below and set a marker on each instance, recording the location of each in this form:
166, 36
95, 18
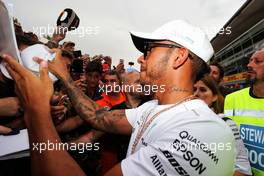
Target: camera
77, 69
77, 54
77, 66
121, 61
130, 63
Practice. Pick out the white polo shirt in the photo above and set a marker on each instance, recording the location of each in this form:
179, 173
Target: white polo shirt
188, 139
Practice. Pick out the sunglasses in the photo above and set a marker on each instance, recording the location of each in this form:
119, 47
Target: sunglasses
149, 45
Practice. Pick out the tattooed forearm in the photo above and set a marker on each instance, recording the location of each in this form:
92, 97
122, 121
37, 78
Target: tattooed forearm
84, 106
110, 119
99, 117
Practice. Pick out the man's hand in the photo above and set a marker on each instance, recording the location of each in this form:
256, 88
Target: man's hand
35, 94
120, 68
81, 84
57, 109
9, 106
4, 130
57, 66
58, 113
32, 91
86, 60
59, 34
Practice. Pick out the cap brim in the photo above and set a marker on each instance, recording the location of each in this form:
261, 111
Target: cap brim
70, 44
140, 39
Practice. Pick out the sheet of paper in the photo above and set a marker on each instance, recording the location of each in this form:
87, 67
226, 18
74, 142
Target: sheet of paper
7, 33
14, 143
8, 42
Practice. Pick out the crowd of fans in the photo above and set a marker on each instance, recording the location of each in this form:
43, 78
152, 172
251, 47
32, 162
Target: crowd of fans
89, 73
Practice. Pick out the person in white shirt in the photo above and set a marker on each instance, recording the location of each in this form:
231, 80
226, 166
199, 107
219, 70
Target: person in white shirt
172, 135
206, 89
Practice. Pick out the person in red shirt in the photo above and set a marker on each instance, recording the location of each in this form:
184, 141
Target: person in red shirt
112, 96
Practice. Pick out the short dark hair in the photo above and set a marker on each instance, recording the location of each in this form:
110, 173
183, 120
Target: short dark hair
113, 72
25, 40
94, 66
31, 36
221, 69
199, 68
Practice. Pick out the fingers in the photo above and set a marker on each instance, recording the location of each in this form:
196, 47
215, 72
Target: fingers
55, 99
43, 68
12, 73
58, 111
14, 65
57, 108
54, 50
38, 60
4, 130
58, 53
57, 118
43, 71
9, 59
57, 114
78, 81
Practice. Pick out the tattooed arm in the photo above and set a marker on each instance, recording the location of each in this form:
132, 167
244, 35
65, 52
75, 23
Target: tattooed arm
100, 118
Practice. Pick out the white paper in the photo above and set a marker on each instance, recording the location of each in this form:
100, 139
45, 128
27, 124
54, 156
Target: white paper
8, 43
14, 143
